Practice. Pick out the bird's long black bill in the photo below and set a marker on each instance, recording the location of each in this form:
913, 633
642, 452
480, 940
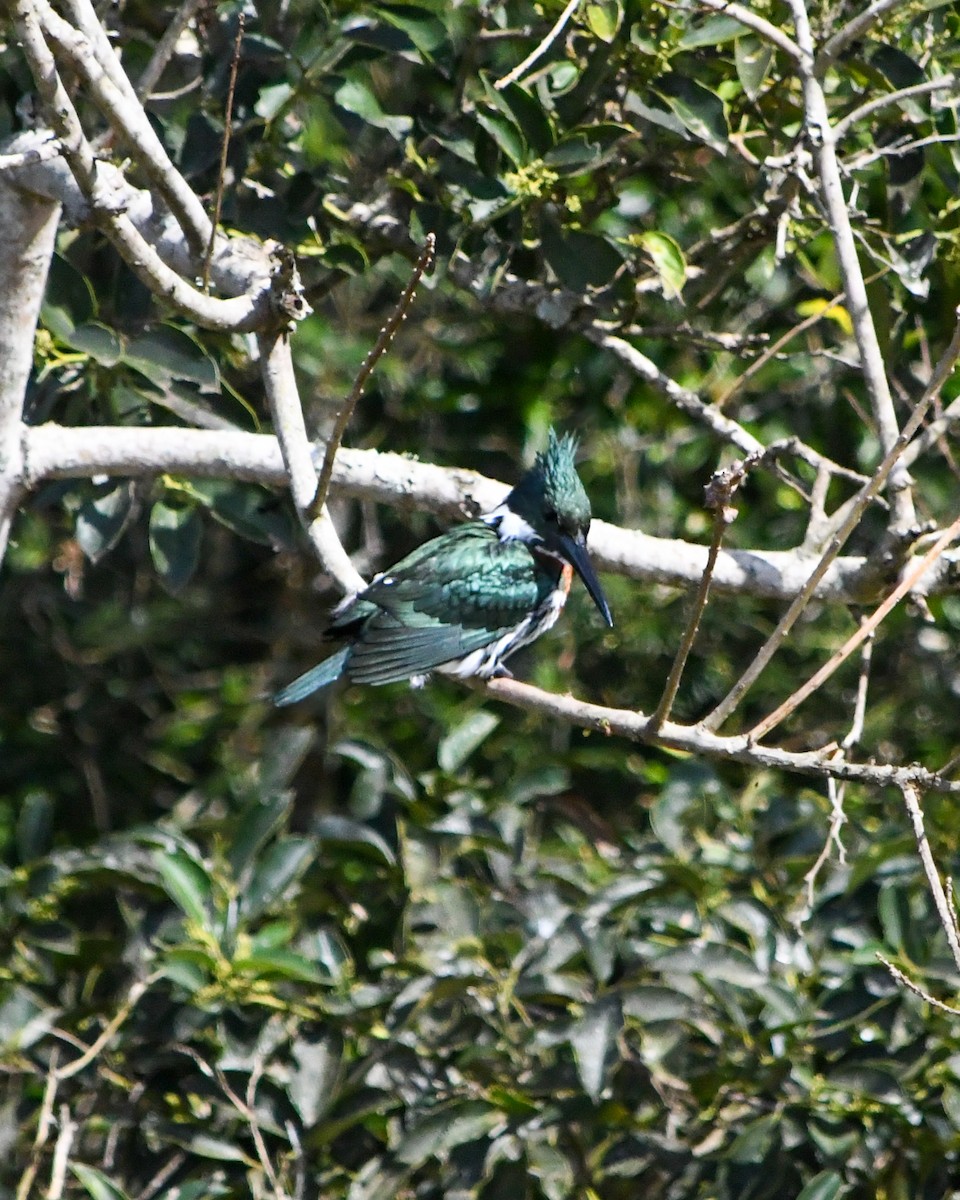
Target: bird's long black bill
576, 552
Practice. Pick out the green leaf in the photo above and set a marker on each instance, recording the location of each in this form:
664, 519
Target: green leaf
526, 112
668, 261
103, 344
175, 534
714, 962
34, 825
312, 1086
185, 882
283, 863
452, 1125
258, 821
357, 98
285, 964
68, 300
580, 260
587, 147
604, 19
505, 134
593, 1039
24, 1018
419, 24
699, 110
754, 1143
272, 99
343, 831
98, 1185
168, 353
243, 509
825, 1186
460, 743
713, 31
753, 58
102, 522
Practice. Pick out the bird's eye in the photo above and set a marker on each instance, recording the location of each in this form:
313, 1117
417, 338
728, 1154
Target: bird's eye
551, 515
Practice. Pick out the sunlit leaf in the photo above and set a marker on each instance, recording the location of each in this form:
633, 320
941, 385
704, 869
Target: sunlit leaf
668, 260
98, 1185
753, 57
186, 883
593, 1039
175, 535
102, 522
457, 746
604, 19
825, 1186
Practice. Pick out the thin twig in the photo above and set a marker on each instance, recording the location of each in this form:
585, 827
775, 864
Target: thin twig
423, 265
720, 492
244, 1108
911, 797
855, 510
280, 386
169, 1168
853, 30
820, 677
686, 400
165, 48
224, 150
916, 988
945, 367
919, 89
836, 788
44, 1123
538, 52
133, 997
61, 1153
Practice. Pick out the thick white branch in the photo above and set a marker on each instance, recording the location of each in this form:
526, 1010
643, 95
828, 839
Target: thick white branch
280, 385
28, 227
54, 452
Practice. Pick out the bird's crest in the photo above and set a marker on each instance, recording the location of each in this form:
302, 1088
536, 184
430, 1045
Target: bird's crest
552, 485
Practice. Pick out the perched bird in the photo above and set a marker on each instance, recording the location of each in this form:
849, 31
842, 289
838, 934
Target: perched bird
466, 600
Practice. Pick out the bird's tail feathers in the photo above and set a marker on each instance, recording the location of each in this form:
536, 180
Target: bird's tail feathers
320, 676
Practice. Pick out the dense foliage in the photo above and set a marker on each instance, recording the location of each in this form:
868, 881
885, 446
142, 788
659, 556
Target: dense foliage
410, 943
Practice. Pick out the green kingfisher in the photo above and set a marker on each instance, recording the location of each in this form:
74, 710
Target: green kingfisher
466, 600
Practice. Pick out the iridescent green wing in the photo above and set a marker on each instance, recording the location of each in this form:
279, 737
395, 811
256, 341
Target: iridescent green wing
453, 595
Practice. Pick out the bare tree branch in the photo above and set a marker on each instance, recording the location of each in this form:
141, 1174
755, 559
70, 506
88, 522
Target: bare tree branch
689, 402
28, 227
540, 50
853, 512
911, 790
853, 30
842, 128
637, 727
280, 386
902, 589
165, 48
55, 452
239, 313
720, 492
823, 137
